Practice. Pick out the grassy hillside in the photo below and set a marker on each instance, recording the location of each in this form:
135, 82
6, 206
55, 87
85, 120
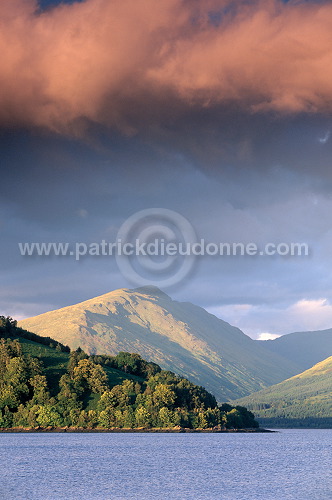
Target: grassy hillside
303, 348
297, 401
180, 337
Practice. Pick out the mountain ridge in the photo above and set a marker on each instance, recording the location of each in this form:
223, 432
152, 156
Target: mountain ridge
179, 336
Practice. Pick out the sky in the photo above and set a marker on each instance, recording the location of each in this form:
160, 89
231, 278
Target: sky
218, 110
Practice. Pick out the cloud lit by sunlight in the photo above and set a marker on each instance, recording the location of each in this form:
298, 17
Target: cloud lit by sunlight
102, 62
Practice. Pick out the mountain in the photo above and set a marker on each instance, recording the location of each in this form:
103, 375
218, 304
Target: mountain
180, 337
303, 348
303, 399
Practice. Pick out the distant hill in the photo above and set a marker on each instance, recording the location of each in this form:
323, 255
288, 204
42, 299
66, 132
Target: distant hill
180, 337
305, 399
303, 348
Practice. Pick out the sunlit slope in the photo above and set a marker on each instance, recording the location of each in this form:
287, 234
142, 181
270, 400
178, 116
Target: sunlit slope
307, 395
178, 336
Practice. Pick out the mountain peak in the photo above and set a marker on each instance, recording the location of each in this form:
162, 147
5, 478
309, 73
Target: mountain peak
150, 290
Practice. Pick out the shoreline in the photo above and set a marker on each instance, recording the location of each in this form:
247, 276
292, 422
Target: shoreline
152, 430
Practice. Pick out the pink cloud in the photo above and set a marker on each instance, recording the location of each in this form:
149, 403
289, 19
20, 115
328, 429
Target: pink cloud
113, 61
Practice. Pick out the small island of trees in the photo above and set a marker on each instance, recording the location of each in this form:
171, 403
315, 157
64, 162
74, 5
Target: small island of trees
99, 392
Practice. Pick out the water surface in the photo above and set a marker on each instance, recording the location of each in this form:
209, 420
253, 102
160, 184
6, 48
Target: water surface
290, 464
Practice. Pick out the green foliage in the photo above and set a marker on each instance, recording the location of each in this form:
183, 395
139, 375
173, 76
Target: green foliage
85, 393
7, 326
6, 417
75, 358
90, 376
143, 417
16, 373
240, 417
47, 416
